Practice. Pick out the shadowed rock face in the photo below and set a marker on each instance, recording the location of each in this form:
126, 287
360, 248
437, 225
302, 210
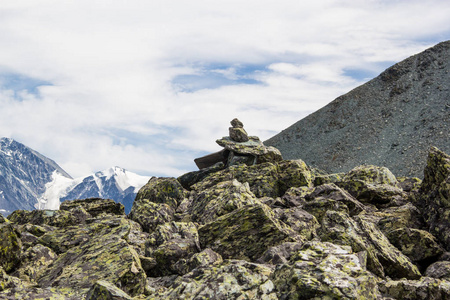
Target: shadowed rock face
390, 121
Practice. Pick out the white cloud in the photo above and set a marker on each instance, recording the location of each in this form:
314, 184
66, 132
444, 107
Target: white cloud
112, 65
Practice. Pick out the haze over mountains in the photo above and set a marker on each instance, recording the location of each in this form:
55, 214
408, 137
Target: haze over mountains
29, 180
390, 121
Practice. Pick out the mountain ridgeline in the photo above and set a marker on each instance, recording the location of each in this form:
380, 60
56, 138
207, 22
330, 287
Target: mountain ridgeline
29, 180
390, 121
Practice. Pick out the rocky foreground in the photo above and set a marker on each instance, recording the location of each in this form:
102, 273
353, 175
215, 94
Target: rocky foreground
263, 229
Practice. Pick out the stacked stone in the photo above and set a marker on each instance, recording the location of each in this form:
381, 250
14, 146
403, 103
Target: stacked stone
239, 149
237, 132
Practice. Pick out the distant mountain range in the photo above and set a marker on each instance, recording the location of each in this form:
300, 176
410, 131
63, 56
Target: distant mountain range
391, 121
29, 180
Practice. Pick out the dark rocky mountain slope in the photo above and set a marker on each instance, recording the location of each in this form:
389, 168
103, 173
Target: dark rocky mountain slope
390, 121
253, 226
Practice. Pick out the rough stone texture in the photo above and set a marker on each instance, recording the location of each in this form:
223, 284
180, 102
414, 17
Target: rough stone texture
58, 218
372, 184
434, 196
191, 178
245, 233
94, 206
238, 134
104, 290
162, 190
294, 173
219, 200
231, 280
419, 245
424, 289
389, 121
106, 256
324, 271
439, 269
382, 258
170, 243
34, 262
10, 247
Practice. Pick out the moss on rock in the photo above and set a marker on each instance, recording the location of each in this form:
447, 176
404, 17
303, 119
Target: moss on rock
10, 247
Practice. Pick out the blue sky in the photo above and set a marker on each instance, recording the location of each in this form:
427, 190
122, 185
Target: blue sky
150, 85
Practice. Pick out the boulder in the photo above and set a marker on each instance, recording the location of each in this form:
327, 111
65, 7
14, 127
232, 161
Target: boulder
280, 254
170, 243
34, 262
149, 214
191, 178
383, 259
10, 247
104, 290
245, 233
434, 197
425, 288
57, 218
103, 255
419, 245
219, 200
324, 271
293, 173
164, 190
374, 185
439, 270
204, 258
299, 220
262, 179
94, 206
233, 279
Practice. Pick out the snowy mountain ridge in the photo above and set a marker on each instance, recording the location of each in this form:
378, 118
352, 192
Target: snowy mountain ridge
113, 183
29, 180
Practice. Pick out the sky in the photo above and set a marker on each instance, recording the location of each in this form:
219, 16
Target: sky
150, 85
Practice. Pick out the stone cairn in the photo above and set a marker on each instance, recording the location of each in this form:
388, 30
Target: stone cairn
239, 148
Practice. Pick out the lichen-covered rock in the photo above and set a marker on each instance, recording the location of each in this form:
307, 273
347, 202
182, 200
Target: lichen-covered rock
372, 184
104, 290
252, 147
392, 218
9, 282
203, 258
36, 293
327, 178
419, 245
94, 206
63, 239
382, 258
220, 199
298, 220
149, 214
10, 247
163, 190
409, 184
170, 243
293, 173
106, 256
191, 178
439, 269
434, 196
57, 218
324, 271
262, 179
231, 280
424, 289
245, 233
33, 262
280, 254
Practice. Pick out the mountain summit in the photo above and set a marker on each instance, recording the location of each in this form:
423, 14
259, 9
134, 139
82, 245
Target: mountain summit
23, 175
390, 121
29, 180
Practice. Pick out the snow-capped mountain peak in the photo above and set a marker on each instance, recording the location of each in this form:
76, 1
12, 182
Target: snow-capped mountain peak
113, 183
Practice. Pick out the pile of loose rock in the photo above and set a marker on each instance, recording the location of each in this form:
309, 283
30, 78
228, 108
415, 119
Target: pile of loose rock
252, 227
